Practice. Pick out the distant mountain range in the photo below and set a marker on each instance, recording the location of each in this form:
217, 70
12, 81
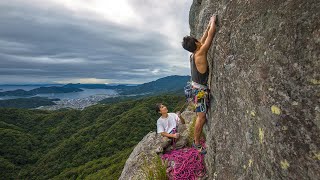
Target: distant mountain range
163, 85
169, 84
40, 90
99, 86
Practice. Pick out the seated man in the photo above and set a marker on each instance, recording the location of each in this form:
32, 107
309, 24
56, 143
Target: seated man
167, 126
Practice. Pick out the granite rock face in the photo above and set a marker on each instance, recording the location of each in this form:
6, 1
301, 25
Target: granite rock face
264, 121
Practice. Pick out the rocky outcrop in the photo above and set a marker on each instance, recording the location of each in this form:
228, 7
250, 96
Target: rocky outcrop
145, 151
264, 64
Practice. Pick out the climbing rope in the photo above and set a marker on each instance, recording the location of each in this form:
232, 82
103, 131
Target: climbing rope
185, 164
185, 103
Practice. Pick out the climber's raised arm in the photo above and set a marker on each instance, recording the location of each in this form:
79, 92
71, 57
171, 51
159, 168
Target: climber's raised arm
205, 34
207, 43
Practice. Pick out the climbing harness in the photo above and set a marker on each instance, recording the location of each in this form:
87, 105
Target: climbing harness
188, 91
201, 99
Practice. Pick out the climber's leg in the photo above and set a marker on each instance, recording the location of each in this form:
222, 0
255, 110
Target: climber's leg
201, 119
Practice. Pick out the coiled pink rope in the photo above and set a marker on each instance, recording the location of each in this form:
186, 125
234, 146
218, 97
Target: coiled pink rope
185, 164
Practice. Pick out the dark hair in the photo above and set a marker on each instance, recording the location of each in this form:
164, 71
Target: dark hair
157, 107
189, 43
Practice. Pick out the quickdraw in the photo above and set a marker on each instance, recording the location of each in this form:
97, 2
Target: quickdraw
201, 99
201, 94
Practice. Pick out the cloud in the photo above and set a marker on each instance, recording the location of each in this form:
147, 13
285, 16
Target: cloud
76, 40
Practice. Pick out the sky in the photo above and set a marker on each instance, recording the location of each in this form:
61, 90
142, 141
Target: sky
92, 41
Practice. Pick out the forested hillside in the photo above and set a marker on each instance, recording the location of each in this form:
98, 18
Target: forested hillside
26, 103
93, 143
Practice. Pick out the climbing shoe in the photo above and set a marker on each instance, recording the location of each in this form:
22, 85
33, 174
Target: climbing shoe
201, 149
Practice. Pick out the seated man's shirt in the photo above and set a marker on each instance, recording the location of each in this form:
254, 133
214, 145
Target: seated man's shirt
167, 124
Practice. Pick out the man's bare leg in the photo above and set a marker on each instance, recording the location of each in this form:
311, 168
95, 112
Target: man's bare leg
201, 119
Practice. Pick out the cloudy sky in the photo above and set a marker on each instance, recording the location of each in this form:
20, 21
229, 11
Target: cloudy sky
92, 41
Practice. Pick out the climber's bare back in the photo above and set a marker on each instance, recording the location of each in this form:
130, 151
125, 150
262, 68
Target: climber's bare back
201, 62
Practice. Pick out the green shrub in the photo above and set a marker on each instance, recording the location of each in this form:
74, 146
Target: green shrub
155, 168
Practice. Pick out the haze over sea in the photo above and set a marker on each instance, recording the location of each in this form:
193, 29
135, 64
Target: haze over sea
73, 95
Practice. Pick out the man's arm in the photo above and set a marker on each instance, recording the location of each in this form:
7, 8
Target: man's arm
205, 47
205, 34
165, 134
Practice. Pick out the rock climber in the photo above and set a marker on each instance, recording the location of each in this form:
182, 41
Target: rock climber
199, 76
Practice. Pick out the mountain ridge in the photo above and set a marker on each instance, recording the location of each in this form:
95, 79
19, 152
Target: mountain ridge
40, 90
